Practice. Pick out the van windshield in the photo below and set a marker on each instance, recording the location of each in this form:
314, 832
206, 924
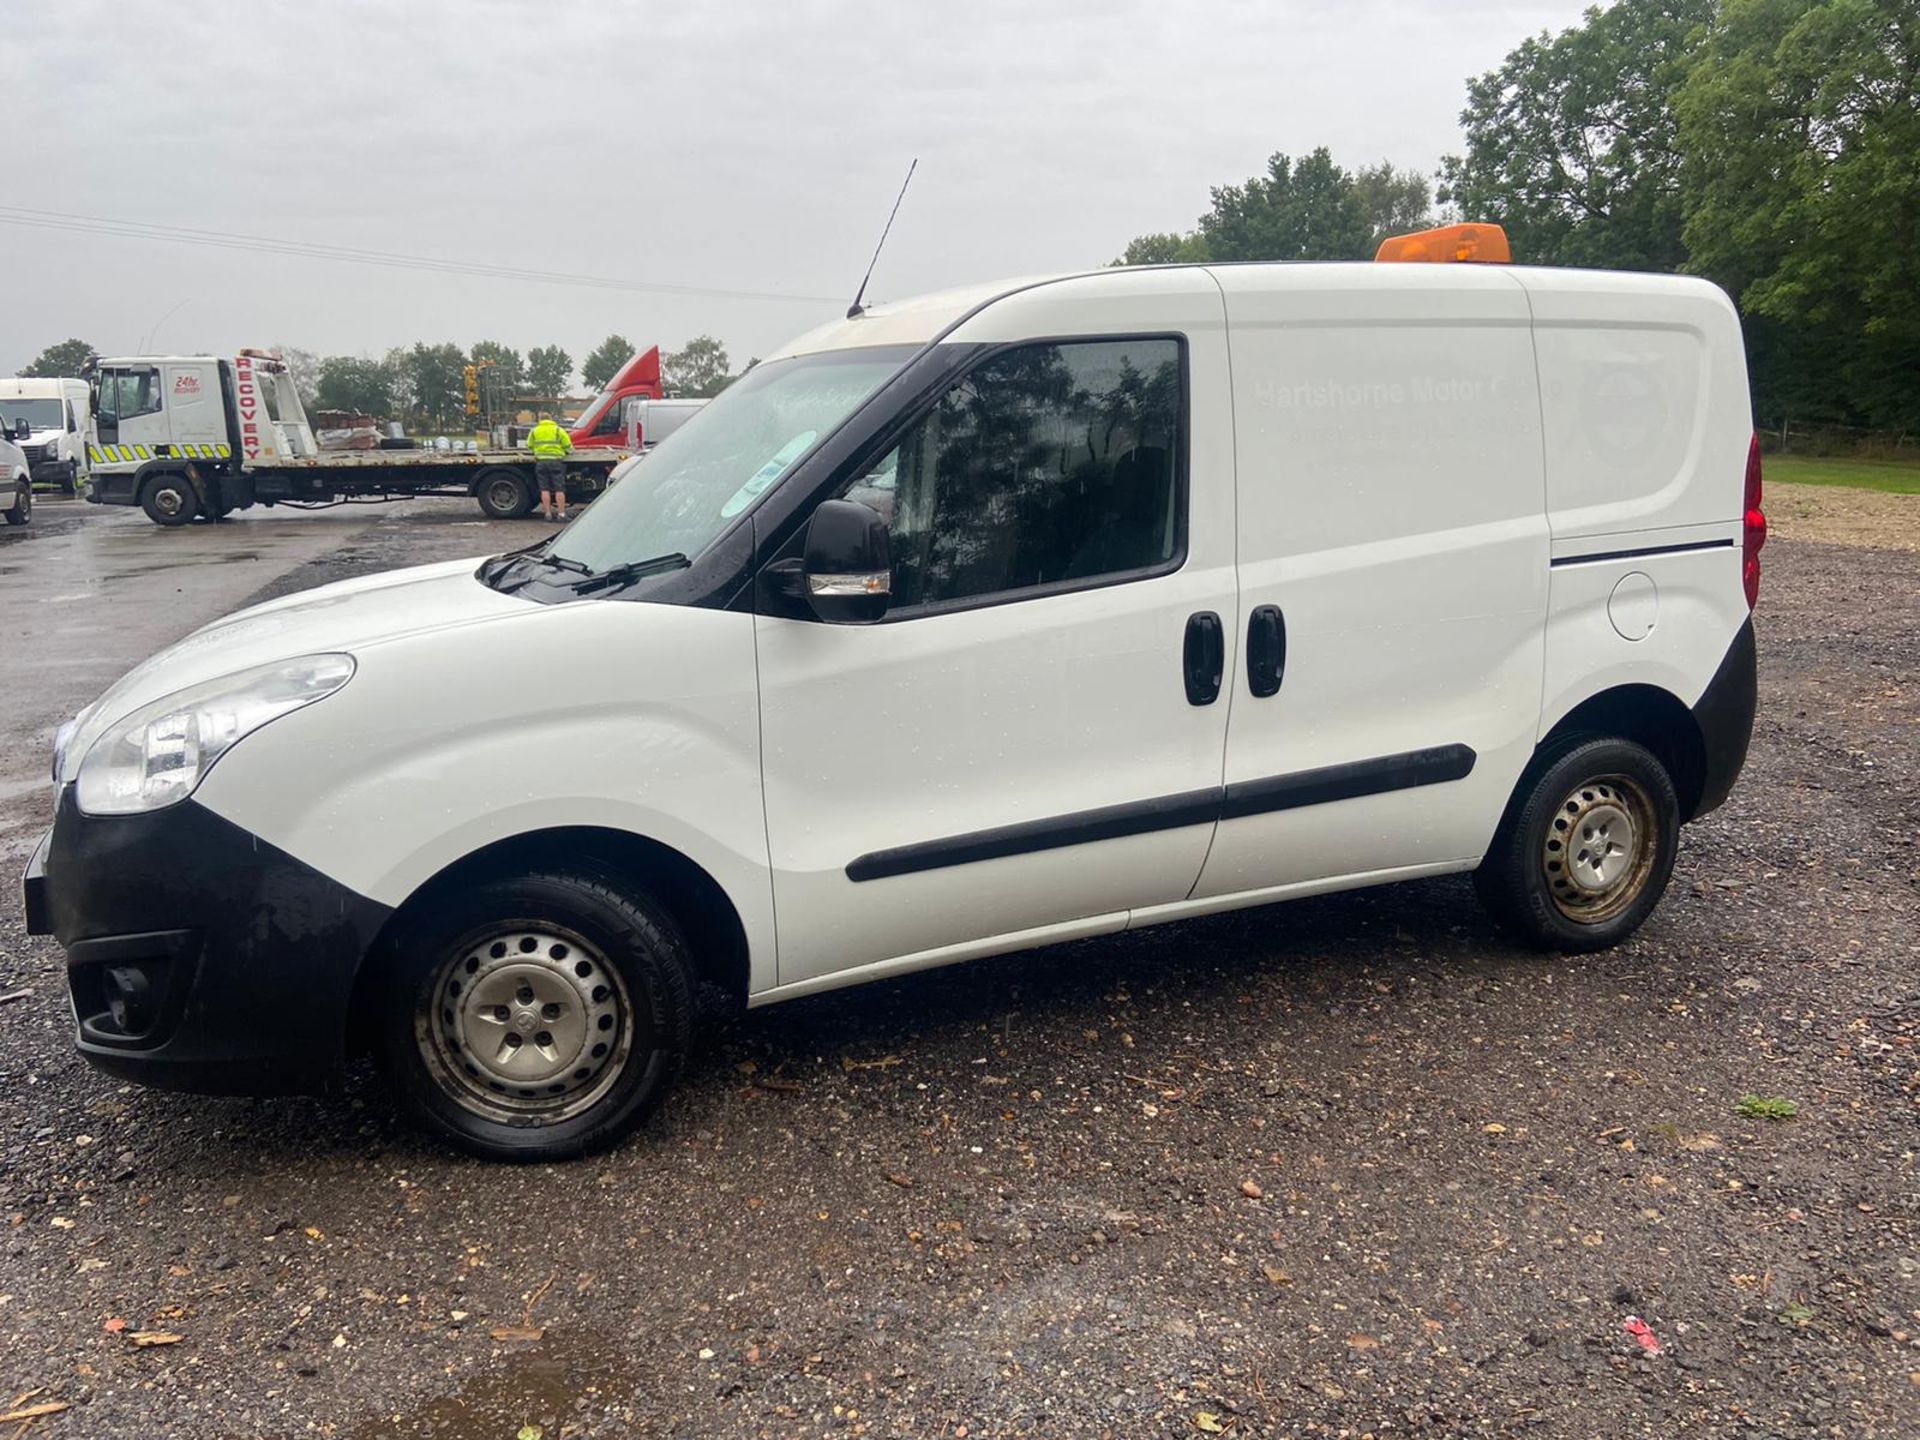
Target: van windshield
40, 413
727, 454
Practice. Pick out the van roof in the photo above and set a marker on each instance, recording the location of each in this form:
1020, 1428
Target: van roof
25, 386
923, 319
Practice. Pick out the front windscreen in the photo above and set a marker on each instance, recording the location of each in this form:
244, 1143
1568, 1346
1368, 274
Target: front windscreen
40, 413
728, 454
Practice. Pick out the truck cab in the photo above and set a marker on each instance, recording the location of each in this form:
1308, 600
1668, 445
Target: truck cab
603, 424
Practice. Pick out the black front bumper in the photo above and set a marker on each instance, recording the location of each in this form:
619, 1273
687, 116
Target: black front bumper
199, 957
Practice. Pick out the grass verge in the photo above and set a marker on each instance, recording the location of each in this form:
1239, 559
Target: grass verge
1896, 477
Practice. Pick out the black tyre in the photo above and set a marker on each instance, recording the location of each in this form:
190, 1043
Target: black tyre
22, 510
68, 482
169, 500
537, 1018
1586, 846
504, 494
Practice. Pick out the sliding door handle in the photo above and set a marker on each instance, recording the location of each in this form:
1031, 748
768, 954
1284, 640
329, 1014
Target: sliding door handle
1204, 657
1266, 650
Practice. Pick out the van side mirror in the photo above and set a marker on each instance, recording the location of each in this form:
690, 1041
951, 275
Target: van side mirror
23, 431
848, 570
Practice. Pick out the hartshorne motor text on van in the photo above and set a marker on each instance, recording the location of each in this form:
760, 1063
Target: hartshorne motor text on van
1000, 617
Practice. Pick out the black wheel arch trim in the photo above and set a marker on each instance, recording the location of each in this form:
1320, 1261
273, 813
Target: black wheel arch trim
1725, 713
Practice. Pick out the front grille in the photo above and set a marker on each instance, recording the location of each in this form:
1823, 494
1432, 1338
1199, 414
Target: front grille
37, 454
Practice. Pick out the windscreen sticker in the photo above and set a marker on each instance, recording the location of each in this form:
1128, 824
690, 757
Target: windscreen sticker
769, 472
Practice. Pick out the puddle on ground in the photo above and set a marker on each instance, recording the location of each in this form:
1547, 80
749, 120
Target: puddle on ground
571, 1382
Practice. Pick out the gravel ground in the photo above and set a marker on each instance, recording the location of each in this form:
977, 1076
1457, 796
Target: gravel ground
1835, 516
1349, 1166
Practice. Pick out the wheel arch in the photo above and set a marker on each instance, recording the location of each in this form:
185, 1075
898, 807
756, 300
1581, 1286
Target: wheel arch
165, 468
1650, 716
697, 902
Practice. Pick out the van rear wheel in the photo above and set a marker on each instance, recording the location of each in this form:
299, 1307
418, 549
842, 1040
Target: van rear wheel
537, 1018
1585, 849
22, 509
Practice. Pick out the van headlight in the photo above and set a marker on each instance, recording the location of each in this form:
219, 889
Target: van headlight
157, 755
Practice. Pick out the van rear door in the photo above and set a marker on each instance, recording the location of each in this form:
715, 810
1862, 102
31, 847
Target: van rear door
1393, 557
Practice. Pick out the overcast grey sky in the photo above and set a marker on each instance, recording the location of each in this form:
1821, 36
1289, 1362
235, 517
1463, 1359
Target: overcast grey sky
745, 147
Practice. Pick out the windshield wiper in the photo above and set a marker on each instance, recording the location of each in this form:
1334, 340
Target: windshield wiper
628, 572
495, 571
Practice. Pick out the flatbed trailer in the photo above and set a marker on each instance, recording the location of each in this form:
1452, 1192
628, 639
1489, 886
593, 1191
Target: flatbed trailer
202, 436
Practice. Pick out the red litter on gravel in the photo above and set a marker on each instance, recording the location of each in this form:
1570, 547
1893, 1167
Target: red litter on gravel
1642, 1334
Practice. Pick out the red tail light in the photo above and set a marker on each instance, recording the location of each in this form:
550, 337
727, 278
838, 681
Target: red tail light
1754, 527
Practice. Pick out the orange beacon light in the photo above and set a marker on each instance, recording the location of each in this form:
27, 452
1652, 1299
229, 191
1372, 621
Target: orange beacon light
1486, 244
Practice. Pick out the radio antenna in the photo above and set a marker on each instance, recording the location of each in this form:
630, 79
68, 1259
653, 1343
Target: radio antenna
854, 309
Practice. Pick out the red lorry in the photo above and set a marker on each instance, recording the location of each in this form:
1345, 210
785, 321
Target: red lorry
603, 423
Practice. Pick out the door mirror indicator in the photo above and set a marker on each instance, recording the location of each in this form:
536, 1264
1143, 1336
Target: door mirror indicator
849, 563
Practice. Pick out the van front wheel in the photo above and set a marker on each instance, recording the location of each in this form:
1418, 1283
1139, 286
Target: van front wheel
1586, 846
537, 1018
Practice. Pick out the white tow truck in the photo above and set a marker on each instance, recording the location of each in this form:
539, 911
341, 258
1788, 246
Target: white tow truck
204, 435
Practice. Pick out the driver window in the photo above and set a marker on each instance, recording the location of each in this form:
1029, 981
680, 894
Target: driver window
1042, 466
126, 393
611, 423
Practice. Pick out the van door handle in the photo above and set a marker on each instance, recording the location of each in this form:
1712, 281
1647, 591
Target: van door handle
1266, 650
1205, 657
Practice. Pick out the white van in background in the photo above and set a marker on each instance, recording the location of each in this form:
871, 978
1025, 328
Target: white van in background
56, 413
650, 421
1006, 616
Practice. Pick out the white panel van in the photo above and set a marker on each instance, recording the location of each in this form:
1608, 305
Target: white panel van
1006, 616
54, 414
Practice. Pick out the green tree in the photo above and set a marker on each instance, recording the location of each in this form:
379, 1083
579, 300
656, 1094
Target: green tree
66, 358
398, 363
604, 363
356, 384
303, 366
1164, 248
1801, 127
549, 369
1305, 209
1395, 201
699, 369
1571, 144
436, 377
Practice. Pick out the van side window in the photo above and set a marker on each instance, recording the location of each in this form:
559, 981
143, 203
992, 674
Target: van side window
1042, 466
